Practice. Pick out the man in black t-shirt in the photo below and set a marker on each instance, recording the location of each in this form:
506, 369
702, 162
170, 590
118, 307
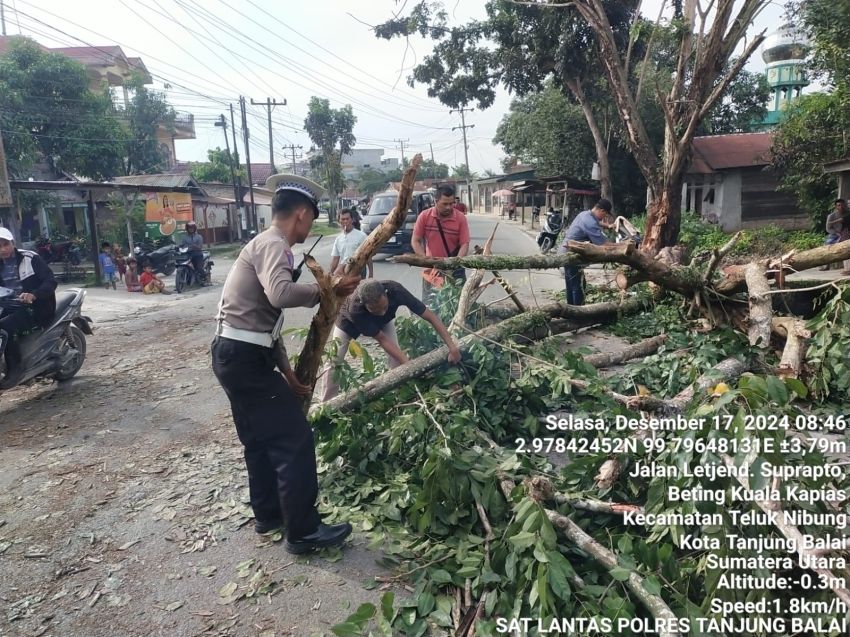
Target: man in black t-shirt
371, 311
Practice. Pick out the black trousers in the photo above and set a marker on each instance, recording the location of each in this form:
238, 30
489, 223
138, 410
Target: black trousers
198, 264
14, 323
279, 447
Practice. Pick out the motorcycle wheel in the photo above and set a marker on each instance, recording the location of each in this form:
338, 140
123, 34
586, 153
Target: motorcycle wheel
73, 339
168, 269
181, 280
208, 275
546, 245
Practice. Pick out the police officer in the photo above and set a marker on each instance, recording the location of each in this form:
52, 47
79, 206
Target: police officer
278, 441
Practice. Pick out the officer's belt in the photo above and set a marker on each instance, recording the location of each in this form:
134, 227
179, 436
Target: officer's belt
263, 339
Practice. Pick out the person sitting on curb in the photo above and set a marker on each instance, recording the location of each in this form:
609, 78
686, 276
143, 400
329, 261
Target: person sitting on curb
151, 284
371, 311
131, 277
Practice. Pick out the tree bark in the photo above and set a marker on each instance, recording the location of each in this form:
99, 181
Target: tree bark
761, 308
329, 304
795, 334
734, 280
579, 317
575, 87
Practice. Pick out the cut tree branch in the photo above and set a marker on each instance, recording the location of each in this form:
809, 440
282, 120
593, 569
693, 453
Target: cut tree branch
761, 308
329, 304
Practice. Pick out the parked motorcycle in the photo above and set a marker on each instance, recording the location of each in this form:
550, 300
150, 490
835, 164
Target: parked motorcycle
548, 235
187, 276
56, 252
162, 259
57, 351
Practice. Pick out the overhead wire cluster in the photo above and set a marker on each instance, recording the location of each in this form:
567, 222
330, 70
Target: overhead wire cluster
230, 47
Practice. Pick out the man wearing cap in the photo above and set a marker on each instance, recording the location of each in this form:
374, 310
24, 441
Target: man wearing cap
195, 249
585, 227
278, 441
32, 280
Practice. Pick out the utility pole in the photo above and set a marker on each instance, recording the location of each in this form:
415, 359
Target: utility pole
223, 123
269, 103
5, 191
292, 148
462, 110
401, 141
239, 203
433, 163
2, 19
252, 216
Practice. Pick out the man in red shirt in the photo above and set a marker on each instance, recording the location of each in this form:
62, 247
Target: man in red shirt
459, 205
441, 231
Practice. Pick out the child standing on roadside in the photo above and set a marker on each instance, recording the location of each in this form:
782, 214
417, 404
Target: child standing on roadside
120, 262
107, 266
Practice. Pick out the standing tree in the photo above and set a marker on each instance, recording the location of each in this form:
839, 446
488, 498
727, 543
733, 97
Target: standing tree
217, 169
146, 113
536, 39
331, 130
518, 47
703, 73
47, 110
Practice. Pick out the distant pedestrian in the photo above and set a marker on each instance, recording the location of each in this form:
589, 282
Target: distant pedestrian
459, 205
107, 265
585, 227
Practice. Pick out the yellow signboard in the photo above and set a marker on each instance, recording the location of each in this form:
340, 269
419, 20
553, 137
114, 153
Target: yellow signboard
166, 211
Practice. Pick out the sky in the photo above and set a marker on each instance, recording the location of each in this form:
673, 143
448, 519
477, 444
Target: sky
206, 53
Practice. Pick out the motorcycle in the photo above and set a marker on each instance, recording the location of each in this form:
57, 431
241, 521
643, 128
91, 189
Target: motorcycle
187, 276
548, 235
60, 251
57, 351
163, 260
626, 231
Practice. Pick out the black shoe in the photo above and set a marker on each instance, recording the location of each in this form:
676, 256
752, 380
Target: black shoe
324, 536
267, 527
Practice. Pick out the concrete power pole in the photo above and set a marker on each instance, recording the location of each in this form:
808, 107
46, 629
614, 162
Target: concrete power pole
269, 103
433, 163
239, 204
292, 148
463, 128
401, 142
223, 123
2, 19
252, 217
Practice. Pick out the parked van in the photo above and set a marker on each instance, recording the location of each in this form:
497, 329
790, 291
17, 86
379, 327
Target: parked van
382, 205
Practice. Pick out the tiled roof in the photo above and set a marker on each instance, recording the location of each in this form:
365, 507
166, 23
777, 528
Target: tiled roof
167, 180
738, 150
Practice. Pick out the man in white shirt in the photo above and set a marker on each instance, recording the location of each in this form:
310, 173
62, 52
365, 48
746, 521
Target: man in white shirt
346, 244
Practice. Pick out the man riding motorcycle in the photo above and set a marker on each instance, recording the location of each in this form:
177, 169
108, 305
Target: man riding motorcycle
195, 243
29, 276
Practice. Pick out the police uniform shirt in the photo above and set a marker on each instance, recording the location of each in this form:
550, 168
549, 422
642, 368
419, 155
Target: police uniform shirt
260, 285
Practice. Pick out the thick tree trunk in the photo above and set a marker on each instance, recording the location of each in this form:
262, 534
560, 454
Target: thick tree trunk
796, 336
575, 87
664, 218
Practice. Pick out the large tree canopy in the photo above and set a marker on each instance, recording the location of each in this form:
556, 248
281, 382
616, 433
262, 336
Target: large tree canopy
146, 113
47, 109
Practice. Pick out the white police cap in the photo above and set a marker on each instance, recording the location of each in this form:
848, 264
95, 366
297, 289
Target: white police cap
310, 189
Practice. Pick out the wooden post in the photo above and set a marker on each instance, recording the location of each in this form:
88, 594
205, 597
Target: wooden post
98, 275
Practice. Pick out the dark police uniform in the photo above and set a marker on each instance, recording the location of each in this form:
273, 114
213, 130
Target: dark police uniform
279, 447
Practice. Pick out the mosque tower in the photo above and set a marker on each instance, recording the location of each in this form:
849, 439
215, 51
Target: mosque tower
784, 51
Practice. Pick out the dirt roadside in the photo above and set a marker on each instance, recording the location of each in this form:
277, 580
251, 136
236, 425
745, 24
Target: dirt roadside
124, 500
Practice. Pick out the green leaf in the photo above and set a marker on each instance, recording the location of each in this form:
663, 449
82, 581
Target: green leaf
523, 539
797, 386
625, 544
387, 606
510, 566
777, 390
652, 585
363, 614
620, 574
347, 629
425, 604
558, 575
441, 576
